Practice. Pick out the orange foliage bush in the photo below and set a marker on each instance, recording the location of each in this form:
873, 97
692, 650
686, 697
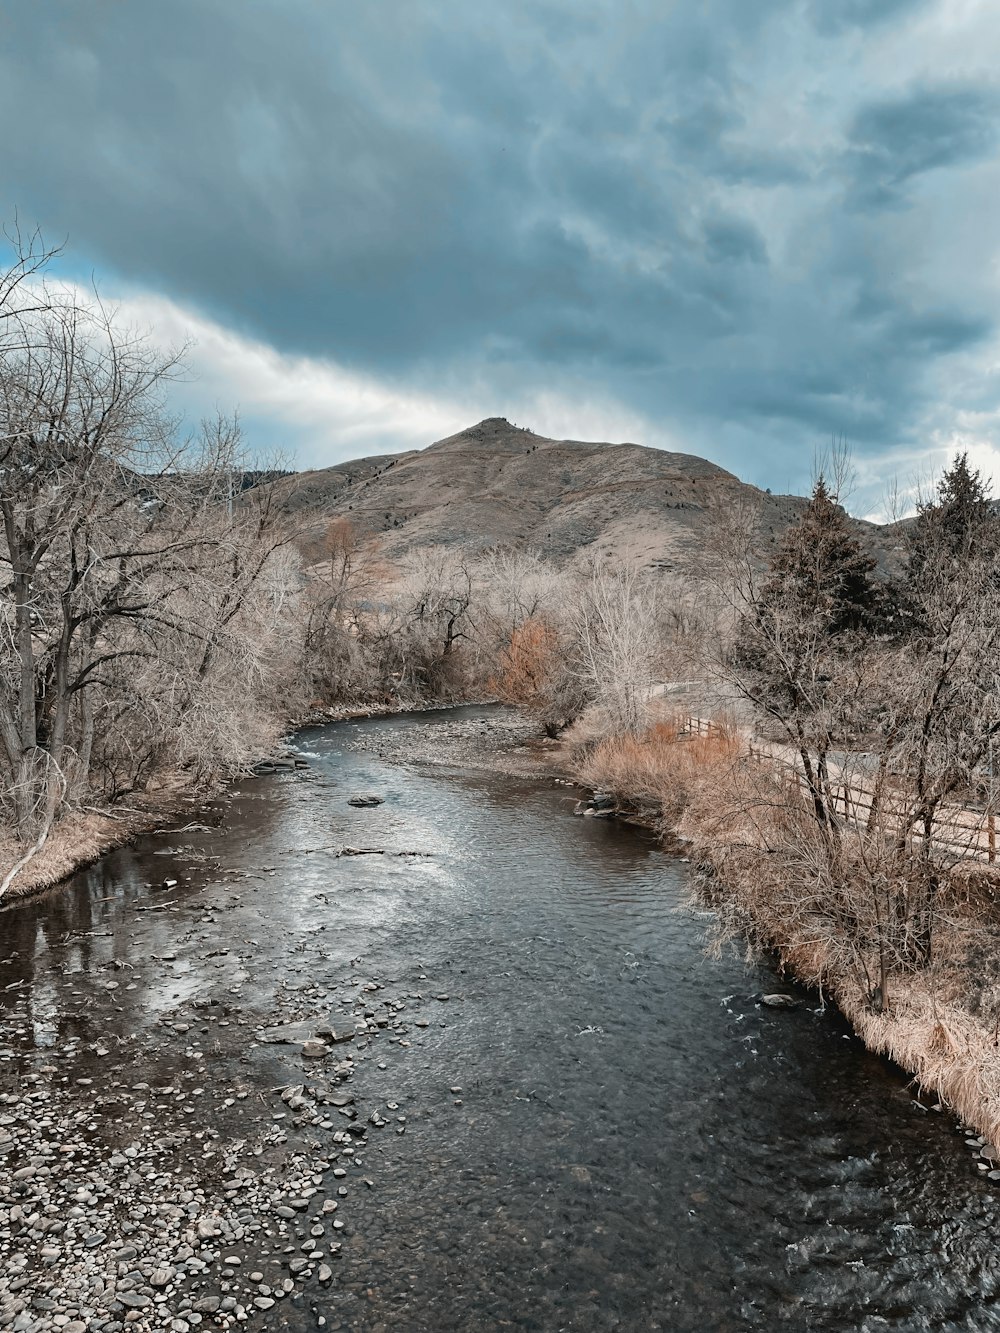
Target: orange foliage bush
527, 663
662, 766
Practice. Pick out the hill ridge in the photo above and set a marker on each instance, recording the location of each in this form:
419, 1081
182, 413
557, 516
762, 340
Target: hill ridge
495, 483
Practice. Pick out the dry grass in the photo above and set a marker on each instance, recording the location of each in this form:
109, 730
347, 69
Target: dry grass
752, 832
948, 1050
702, 787
662, 766
82, 836
77, 840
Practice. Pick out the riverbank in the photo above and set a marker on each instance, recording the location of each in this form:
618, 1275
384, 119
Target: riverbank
83, 836
939, 1022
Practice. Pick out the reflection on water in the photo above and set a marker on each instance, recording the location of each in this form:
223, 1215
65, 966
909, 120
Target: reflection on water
602, 1127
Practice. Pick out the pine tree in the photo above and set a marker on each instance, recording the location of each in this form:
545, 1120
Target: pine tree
959, 526
820, 570
794, 652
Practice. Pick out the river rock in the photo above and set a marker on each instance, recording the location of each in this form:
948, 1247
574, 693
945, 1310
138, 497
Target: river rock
326, 1033
293, 1034
778, 1001
365, 801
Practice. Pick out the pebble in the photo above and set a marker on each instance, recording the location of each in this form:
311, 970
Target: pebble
142, 1217
135, 1300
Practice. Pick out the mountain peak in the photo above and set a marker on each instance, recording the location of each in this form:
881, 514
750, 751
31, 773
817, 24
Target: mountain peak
496, 432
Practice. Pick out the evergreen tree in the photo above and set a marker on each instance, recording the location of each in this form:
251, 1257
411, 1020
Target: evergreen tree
821, 571
798, 640
957, 527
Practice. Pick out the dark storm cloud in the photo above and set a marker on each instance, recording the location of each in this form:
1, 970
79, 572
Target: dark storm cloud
895, 140
667, 201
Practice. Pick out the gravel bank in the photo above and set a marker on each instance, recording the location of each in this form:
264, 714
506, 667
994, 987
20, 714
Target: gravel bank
508, 742
170, 1205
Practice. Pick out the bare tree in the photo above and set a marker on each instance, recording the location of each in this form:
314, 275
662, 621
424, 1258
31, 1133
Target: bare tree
617, 642
121, 542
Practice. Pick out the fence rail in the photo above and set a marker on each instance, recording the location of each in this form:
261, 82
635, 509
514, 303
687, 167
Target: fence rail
970, 833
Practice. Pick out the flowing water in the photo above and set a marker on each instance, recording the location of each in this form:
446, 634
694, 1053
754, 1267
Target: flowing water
603, 1128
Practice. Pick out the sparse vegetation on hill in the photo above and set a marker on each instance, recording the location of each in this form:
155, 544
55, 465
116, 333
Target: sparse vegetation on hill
495, 484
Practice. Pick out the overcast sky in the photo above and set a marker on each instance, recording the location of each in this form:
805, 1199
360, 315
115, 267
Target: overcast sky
735, 228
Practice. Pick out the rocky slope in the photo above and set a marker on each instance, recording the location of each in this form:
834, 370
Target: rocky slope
495, 483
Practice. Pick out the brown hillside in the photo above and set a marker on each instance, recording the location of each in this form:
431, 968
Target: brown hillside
495, 483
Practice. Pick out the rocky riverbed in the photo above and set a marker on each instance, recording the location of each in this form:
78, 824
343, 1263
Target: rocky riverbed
164, 1205
497, 740
449, 1058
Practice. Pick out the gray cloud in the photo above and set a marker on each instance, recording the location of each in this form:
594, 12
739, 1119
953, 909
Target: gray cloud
896, 139
704, 210
837, 15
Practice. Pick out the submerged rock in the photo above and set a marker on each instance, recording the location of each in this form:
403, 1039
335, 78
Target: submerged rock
363, 802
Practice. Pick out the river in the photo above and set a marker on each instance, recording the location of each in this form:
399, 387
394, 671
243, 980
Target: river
594, 1127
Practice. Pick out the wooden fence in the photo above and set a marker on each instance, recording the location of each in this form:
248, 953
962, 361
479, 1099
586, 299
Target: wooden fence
954, 830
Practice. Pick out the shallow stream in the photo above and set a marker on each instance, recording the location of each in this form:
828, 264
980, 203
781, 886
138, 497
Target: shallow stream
603, 1127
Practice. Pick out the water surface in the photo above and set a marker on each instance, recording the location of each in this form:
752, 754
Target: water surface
603, 1128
